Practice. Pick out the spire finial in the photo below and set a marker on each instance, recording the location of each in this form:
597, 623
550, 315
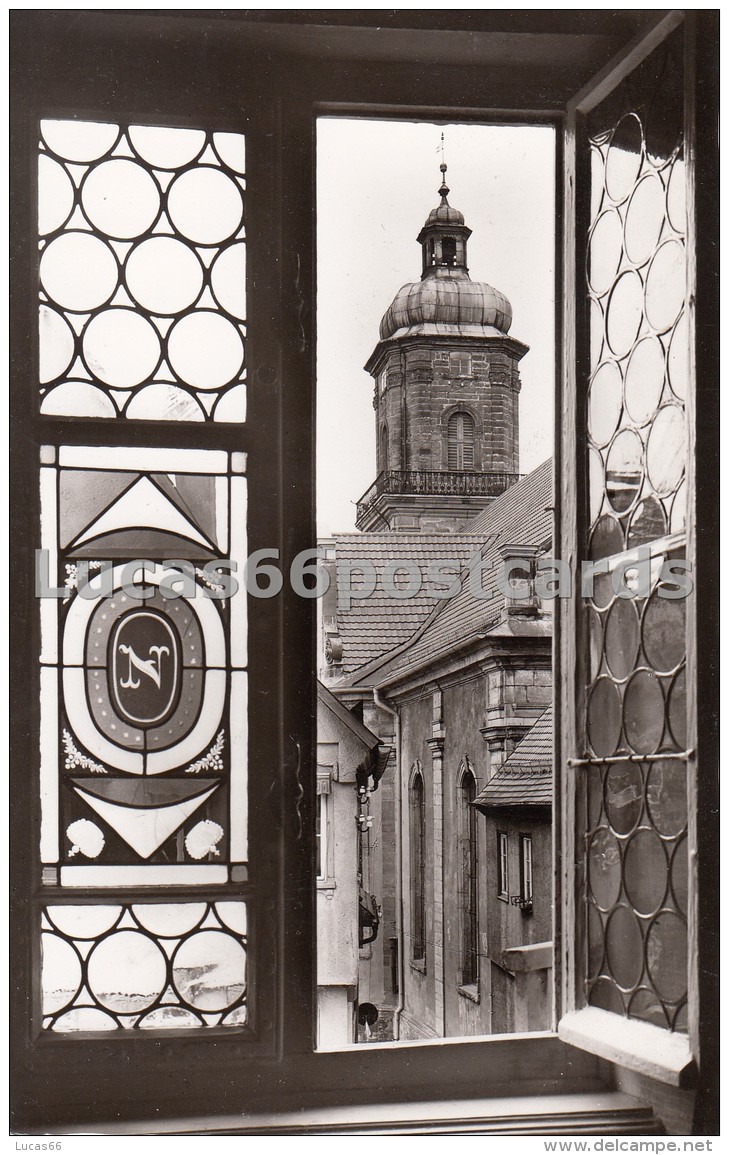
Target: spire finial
443, 190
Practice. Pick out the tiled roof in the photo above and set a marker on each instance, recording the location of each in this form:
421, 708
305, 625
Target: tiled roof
521, 515
380, 623
525, 779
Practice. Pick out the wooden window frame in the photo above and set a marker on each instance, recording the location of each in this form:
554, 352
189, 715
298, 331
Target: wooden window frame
502, 865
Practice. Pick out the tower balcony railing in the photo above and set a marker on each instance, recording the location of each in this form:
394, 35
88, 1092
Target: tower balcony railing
435, 483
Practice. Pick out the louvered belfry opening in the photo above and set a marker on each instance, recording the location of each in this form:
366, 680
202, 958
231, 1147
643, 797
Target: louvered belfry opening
460, 441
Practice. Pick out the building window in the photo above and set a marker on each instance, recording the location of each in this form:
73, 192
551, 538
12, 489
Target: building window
417, 867
448, 250
384, 455
525, 863
323, 840
502, 865
460, 441
460, 364
468, 873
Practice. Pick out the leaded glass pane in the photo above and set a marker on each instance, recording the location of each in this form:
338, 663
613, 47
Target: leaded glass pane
142, 279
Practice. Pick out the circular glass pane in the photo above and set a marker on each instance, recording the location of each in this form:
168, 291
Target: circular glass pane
645, 1006
624, 943
165, 1017
60, 974
163, 402
603, 717
208, 970
676, 195
623, 159
644, 377
678, 359
606, 995
603, 868
666, 452
602, 592
624, 313
79, 140
77, 399
606, 399
647, 522
665, 287
643, 712
605, 251
623, 796
646, 871
679, 875
170, 920
680, 1021
85, 1019
121, 347
55, 195
232, 405
84, 922
56, 344
231, 148
205, 205
624, 470
78, 271
677, 709
606, 540
228, 280
205, 350
622, 636
596, 941
164, 275
120, 198
664, 632
644, 219
127, 971
667, 956
167, 147
233, 915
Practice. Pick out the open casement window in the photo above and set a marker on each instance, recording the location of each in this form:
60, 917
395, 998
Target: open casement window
117, 386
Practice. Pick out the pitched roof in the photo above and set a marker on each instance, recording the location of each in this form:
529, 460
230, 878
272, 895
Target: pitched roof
522, 514
378, 624
524, 779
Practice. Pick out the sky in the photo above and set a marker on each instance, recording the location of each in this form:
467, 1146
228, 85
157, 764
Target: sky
377, 181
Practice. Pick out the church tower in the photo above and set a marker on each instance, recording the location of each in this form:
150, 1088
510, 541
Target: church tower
446, 391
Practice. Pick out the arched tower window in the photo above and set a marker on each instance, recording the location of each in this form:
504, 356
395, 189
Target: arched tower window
467, 886
417, 867
460, 441
448, 250
384, 454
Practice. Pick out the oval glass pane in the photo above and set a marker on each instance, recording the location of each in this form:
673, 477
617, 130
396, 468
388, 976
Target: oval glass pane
127, 972
667, 956
665, 287
644, 378
603, 868
60, 973
647, 523
205, 350
606, 995
623, 796
678, 509
666, 452
605, 404
597, 331
208, 970
228, 280
606, 540
622, 637
644, 219
166, 147
55, 195
624, 470
643, 711
677, 709
597, 179
597, 483
163, 402
56, 344
120, 198
676, 195
679, 875
78, 271
596, 941
624, 157
624, 942
624, 313
594, 796
163, 275
231, 148
664, 632
205, 205
169, 920
84, 922
121, 348
603, 718
79, 140
605, 251
645, 1006
678, 359
646, 871
595, 631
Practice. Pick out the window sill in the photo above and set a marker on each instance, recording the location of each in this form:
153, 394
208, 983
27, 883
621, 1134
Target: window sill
417, 964
640, 1047
470, 991
326, 884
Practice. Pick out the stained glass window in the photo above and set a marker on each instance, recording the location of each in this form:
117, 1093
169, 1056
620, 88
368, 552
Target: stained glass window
142, 272
636, 763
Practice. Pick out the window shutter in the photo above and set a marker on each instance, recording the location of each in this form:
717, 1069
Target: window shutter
460, 442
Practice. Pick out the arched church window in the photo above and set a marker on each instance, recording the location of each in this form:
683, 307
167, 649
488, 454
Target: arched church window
460, 441
467, 878
417, 867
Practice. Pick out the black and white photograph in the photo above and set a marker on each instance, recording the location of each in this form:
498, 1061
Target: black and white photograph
364, 649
